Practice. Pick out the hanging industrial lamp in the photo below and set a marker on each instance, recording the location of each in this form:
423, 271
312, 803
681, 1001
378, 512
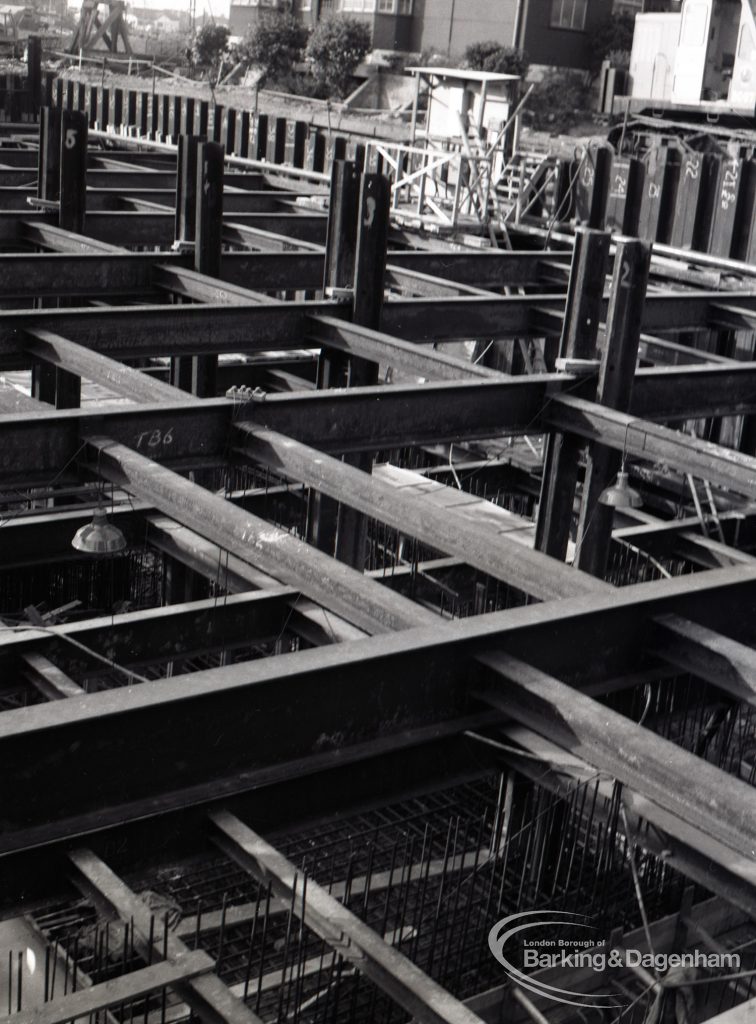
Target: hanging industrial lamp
620, 494
100, 537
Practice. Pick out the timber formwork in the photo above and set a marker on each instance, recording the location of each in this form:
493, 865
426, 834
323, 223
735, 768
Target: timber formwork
367, 677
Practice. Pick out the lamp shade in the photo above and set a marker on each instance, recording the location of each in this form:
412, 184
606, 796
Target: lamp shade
99, 537
620, 494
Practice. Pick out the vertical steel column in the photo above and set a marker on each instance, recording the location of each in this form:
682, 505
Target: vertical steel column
207, 247
186, 124
117, 108
217, 133
229, 131
581, 323
48, 173
625, 196
143, 113
259, 140
34, 72
341, 243
186, 214
131, 111
242, 137
296, 136
615, 387
93, 102
204, 117
104, 108
74, 130
276, 152
314, 150
186, 187
592, 188
369, 275
73, 170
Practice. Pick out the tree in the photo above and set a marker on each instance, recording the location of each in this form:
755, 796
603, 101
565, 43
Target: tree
491, 56
335, 48
558, 101
613, 35
209, 45
274, 44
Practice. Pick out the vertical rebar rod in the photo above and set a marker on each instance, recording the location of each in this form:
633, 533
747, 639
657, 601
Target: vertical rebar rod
250, 947
262, 948
221, 934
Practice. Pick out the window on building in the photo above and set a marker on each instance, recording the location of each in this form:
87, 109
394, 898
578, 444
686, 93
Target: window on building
569, 14
387, 6
405, 6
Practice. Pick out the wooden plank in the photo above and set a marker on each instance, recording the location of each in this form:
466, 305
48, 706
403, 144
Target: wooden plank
359, 945
207, 995
48, 678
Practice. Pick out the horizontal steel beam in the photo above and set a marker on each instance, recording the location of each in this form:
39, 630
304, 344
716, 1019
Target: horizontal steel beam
642, 439
84, 362
136, 332
358, 599
670, 393
79, 273
503, 268
164, 812
327, 698
306, 618
708, 655
359, 419
429, 319
387, 350
681, 844
378, 417
686, 785
38, 446
152, 635
156, 227
417, 514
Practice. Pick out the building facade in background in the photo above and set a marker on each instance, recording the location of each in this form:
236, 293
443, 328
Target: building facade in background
552, 32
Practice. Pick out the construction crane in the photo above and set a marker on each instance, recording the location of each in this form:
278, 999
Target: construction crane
95, 27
